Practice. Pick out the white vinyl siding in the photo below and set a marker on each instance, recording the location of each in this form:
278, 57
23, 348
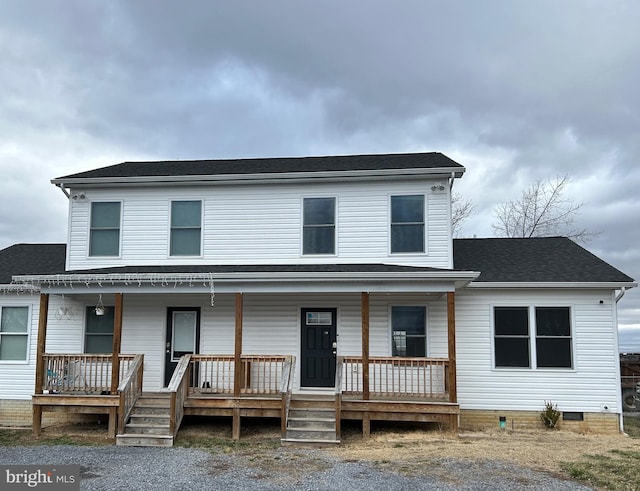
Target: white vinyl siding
589, 385
261, 223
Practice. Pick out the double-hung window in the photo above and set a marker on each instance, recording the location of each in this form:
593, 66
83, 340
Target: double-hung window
98, 335
186, 228
104, 234
319, 226
408, 331
14, 333
520, 332
407, 224
553, 337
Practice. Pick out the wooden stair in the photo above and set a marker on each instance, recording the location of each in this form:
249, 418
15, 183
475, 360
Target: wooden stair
311, 421
148, 424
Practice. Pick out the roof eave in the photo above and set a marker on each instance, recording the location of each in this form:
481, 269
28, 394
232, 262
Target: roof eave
265, 177
615, 285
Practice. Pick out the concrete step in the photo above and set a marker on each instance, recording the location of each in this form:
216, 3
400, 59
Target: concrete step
307, 443
135, 440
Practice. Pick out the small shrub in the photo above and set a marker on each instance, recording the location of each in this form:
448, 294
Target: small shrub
550, 415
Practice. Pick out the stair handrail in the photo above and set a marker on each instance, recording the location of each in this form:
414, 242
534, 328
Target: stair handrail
286, 385
129, 390
338, 394
178, 388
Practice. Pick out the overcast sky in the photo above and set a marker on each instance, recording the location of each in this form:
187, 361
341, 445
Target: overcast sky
514, 90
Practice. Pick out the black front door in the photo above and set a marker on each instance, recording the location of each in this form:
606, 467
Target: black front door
183, 337
318, 351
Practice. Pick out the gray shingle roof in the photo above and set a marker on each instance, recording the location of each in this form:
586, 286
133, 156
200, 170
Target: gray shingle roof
430, 160
533, 260
536, 260
31, 259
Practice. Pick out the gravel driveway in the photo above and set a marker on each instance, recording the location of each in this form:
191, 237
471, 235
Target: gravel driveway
111, 468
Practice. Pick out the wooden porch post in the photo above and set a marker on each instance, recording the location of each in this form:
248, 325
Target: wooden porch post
117, 343
237, 358
366, 421
451, 335
40, 349
365, 346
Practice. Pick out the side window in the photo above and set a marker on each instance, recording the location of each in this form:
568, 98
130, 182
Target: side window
186, 228
407, 224
408, 331
319, 226
14, 333
511, 336
553, 337
98, 335
104, 233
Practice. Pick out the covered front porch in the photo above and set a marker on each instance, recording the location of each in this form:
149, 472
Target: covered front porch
254, 378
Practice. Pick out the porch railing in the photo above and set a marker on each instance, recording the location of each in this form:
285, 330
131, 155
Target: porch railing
81, 373
178, 388
397, 377
129, 390
260, 374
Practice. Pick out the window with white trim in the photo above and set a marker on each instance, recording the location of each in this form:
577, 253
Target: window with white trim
14, 333
104, 233
521, 332
98, 334
408, 330
407, 224
319, 226
186, 228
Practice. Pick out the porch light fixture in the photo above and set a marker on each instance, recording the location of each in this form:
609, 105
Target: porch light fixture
100, 309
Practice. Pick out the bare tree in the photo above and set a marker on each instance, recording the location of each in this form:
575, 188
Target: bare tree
461, 209
543, 210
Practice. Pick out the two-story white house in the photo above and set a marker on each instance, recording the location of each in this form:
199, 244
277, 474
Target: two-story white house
309, 289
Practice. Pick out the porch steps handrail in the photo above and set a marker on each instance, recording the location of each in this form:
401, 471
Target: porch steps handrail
129, 390
178, 388
286, 386
338, 394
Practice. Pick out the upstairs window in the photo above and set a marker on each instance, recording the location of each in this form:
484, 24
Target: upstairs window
408, 331
104, 235
98, 335
319, 226
14, 333
407, 224
186, 228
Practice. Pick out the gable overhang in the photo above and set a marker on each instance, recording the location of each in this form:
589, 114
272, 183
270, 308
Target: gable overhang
444, 173
432, 282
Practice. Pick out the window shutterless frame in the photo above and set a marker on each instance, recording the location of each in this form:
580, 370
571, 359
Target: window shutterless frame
185, 228
319, 225
407, 224
15, 328
105, 229
408, 327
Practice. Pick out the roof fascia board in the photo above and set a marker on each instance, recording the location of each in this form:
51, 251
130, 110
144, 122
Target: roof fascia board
266, 177
578, 284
